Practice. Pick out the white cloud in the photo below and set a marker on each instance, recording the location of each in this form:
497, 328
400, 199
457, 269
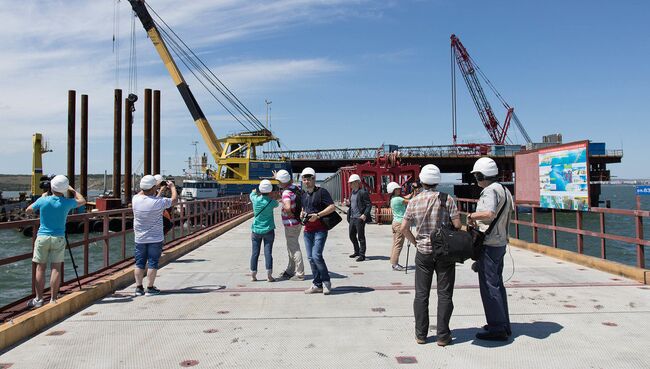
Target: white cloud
50, 47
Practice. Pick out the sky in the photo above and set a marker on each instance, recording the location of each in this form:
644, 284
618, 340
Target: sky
339, 73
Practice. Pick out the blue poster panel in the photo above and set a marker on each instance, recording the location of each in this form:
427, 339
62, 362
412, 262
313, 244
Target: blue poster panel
563, 181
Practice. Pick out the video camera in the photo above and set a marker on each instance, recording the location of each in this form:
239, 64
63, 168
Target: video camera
45, 183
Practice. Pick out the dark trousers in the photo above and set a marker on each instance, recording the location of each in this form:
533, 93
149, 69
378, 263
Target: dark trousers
358, 236
493, 292
425, 265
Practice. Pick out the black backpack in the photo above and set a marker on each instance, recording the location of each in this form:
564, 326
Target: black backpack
298, 209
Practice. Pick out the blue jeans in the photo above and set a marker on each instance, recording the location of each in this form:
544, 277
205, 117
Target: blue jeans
257, 239
315, 244
493, 292
147, 252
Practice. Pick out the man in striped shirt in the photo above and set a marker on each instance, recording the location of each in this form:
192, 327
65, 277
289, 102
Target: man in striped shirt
422, 211
295, 269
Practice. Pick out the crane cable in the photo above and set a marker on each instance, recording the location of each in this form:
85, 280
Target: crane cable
180, 48
116, 41
133, 59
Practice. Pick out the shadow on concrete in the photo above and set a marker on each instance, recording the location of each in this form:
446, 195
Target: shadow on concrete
537, 330
117, 298
341, 290
193, 290
187, 261
333, 275
377, 257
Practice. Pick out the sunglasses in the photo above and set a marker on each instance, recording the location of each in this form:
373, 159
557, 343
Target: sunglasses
307, 176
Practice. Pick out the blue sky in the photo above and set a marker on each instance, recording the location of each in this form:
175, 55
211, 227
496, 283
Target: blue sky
340, 73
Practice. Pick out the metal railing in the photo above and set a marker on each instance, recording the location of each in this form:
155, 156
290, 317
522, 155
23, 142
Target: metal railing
542, 219
188, 219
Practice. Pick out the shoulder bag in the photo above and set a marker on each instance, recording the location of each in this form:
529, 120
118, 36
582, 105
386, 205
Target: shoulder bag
447, 242
478, 237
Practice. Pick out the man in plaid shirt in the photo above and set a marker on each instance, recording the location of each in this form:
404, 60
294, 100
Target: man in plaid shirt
422, 211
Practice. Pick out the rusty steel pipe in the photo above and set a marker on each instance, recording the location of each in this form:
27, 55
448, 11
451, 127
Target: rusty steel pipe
156, 131
72, 96
147, 131
117, 144
128, 149
83, 159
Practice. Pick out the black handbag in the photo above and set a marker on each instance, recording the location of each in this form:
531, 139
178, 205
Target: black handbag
448, 243
331, 220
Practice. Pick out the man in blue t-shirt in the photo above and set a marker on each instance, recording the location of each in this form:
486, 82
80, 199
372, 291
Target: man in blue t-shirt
50, 239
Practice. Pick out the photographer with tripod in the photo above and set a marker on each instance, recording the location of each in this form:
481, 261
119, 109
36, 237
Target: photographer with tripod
50, 240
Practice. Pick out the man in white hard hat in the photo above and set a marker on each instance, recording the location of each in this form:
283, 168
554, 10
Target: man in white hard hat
291, 208
316, 203
423, 211
358, 216
50, 240
263, 228
495, 199
148, 230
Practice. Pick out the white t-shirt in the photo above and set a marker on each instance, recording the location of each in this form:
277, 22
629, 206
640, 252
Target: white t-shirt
147, 218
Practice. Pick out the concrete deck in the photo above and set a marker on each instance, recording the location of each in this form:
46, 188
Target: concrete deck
211, 315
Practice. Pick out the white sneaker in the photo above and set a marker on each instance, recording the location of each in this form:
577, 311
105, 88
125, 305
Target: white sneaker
52, 301
313, 289
34, 303
327, 288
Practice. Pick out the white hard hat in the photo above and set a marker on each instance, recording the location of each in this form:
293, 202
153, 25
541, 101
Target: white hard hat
392, 187
308, 171
486, 166
283, 176
354, 178
147, 182
60, 183
159, 179
266, 186
430, 174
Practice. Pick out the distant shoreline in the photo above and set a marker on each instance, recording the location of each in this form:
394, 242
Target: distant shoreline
22, 182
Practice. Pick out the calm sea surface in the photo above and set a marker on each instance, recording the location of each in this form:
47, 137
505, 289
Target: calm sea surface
15, 279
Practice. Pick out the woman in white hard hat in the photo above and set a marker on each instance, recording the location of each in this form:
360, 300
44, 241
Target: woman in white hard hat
263, 228
398, 206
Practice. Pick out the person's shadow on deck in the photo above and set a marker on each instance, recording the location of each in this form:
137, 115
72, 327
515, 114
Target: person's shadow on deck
537, 330
193, 290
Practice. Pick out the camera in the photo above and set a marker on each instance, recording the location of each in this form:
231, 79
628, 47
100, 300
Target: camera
45, 183
305, 219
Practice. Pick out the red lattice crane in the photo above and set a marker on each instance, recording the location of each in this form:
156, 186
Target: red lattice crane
471, 73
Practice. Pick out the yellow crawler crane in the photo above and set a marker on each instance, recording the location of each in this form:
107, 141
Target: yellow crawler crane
40, 147
238, 168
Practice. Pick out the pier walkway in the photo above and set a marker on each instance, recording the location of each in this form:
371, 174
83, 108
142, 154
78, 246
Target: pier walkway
211, 315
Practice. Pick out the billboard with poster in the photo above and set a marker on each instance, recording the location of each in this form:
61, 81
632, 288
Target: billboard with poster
564, 177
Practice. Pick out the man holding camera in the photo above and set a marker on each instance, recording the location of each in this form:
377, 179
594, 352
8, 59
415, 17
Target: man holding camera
358, 215
489, 266
50, 240
423, 211
148, 229
295, 269
316, 203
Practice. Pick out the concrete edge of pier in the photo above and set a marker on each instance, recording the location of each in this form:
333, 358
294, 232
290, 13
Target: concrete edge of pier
637, 274
27, 325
